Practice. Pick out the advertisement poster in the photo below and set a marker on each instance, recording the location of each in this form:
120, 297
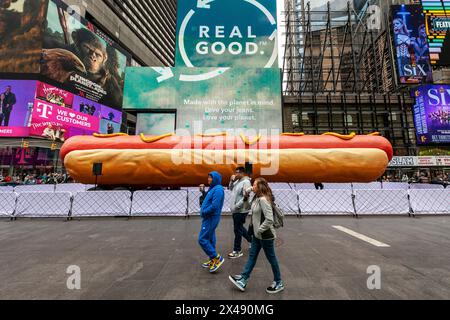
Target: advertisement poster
82, 58
109, 127
411, 44
432, 114
54, 95
111, 114
156, 123
86, 106
57, 123
21, 24
437, 22
224, 98
16, 105
227, 33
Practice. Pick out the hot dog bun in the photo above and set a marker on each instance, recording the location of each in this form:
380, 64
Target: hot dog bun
185, 161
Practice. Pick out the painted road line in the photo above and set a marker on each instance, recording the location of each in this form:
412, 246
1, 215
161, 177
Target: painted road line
362, 237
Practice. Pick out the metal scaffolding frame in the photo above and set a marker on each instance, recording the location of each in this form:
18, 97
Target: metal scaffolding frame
335, 51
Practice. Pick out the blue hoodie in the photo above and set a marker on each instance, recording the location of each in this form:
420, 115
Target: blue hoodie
213, 203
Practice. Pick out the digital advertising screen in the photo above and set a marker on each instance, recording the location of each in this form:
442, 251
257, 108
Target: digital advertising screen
21, 26
109, 127
54, 95
219, 98
437, 21
81, 58
156, 123
411, 44
16, 105
432, 114
227, 33
57, 123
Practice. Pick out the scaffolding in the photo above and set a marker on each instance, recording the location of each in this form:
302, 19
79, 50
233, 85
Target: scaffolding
336, 51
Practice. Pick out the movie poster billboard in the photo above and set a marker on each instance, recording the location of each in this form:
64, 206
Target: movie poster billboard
81, 58
411, 44
227, 33
432, 114
208, 98
21, 26
16, 105
58, 123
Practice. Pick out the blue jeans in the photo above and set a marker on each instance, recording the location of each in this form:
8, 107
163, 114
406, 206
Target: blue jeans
269, 249
207, 236
240, 231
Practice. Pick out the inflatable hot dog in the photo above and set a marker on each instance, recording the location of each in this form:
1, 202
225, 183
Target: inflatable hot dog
171, 160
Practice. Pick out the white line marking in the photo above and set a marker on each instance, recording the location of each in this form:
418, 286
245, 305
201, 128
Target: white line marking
362, 237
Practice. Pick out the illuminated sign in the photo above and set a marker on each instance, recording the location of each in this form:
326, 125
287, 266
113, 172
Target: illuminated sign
226, 33
437, 22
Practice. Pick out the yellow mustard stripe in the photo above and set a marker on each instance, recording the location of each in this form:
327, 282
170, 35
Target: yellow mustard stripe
341, 136
374, 134
248, 142
154, 139
293, 134
112, 135
219, 134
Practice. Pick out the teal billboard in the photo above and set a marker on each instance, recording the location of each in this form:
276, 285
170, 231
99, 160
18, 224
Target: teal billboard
208, 98
227, 33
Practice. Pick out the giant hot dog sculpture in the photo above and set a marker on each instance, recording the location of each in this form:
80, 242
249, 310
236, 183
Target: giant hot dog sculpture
171, 160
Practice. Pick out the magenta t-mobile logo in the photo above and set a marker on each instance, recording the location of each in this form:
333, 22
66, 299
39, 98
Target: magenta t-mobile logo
44, 110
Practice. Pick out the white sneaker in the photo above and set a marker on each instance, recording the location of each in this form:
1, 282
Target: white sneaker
235, 255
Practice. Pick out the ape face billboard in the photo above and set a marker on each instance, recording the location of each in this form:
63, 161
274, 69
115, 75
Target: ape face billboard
16, 105
411, 45
432, 114
81, 58
210, 98
21, 25
227, 33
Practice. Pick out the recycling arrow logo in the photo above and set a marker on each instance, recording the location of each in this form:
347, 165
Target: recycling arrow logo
207, 6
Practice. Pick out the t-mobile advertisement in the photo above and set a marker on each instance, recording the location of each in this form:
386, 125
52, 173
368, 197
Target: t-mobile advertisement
16, 105
83, 59
58, 123
86, 106
411, 44
432, 114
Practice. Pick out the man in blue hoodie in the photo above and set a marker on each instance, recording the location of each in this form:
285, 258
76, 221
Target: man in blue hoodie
210, 212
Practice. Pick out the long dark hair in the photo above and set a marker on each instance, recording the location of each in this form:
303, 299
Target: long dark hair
263, 190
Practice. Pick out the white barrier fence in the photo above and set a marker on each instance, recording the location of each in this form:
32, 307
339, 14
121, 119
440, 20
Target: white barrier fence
74, 201
326, 202
391, 202
430, 201
155, 203
101, 204
43, 204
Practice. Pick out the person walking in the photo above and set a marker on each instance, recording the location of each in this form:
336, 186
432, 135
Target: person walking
240, 207
210, 212
264, 236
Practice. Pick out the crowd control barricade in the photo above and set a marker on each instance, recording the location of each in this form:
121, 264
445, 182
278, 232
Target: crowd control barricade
194, 202
367, 186
35, 188
337, 186
282, 186
159, 203
7, 189
102, 204
426, 186
430, 201
43, 204
305, 186
326, 202
377, 202
70, 187
287, 200
7, 203
395, 185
